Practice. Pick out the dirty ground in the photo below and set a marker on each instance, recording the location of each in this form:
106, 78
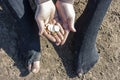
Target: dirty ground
56, 62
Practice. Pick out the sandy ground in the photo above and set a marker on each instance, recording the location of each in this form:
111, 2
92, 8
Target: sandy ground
56, 62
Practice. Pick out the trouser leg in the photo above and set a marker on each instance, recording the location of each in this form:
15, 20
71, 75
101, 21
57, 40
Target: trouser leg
85, 38
26, 27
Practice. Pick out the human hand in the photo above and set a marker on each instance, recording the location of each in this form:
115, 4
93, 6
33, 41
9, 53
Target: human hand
67, 15
44, 13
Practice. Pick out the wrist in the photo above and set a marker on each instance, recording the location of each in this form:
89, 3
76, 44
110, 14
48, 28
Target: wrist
40, 1
68, 1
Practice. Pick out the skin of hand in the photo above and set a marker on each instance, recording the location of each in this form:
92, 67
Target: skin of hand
67, 16
59, 36
45, 13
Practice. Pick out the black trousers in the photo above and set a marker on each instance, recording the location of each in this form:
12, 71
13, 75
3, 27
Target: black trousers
85, 38
27, 30
87, 29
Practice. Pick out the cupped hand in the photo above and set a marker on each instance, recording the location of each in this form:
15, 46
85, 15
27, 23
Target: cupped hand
67, 16
44, 13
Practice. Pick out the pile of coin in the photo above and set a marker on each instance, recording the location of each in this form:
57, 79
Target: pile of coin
50, 28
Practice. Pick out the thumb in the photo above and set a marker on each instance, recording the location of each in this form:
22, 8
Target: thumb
65, 26
40, 26
71, 25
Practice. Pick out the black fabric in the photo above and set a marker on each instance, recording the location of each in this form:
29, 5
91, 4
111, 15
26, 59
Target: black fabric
87, 27
27, 30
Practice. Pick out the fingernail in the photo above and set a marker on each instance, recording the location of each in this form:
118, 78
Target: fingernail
34, 70
54, 40
75, 30
57, 44
29, 70
80, 75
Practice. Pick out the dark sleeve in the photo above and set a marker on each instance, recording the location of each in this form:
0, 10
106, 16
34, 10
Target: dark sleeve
68, 1
40, 1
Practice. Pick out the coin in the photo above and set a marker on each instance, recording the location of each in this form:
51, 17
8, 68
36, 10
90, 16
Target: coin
56, 28
50, 28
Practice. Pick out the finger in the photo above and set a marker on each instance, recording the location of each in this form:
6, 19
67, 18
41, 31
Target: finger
48, 36
60, 35
65, 36
41, 25
29, 67
65, 26
71, 24
58, 41
36, 67
53, 21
